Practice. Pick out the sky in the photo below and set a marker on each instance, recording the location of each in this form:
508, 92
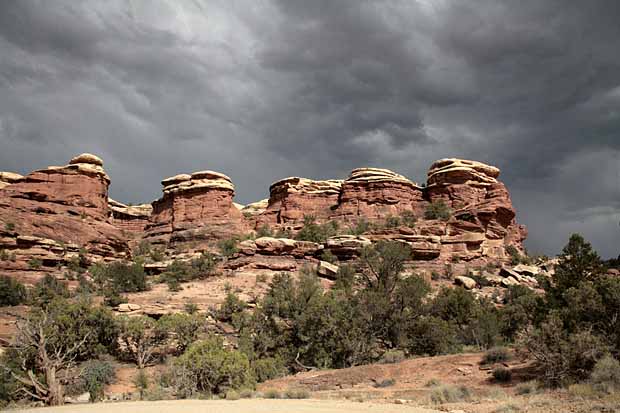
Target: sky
265, 89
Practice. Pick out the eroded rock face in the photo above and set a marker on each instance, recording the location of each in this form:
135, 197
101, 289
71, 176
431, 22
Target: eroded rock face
476, 196
8, 178
195, 208
461, 171
375, 193
50, 214
69, 204
255, 208
80, 187
132, 218
292, 198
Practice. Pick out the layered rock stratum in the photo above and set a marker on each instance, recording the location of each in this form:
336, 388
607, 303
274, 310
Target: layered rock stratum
195, 207
53, 216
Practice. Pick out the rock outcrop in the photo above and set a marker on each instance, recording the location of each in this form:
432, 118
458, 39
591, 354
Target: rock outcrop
374, 193
49, 215
290, 199
255, 209
70, 205
8, 178
131, 218
480, 227
195, 208
479, 201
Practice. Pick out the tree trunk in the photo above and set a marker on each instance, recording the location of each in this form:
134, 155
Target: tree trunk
55, 395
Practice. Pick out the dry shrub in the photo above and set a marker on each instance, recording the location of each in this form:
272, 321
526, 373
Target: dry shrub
450, 394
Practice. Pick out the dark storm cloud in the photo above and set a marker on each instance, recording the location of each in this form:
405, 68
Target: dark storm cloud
266, 89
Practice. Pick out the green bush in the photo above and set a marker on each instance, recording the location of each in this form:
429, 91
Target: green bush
173, 284
232, 305
95, 375
392, 356
53, 338
9, 226
190, 308
47, 289
185, 327
272, 394
283, 233
141, 337
311, 231
264, 231
361, 227
179, 271
228, 247
328, 256
529, 387
9, 386
143, 249
392, 222
113, 298
438, 210
455, 305
515, 257
35, 263
157, 255
268, 368
496, 355
156, 392
12, 292
296, 394
431, 336
409, 218
119, 277
212, 369
502, 374
564, 357
77, 319
432, 383
345, 277
606, 373
142, 382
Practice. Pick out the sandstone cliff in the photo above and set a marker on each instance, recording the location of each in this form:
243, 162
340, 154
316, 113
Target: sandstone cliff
52, 216
195, 208
56, 214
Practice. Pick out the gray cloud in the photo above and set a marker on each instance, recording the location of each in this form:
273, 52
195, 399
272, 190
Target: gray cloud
267, 89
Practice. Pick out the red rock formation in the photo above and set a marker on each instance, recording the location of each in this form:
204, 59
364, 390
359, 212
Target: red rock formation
292, 198
472, 190
482, 223
370, 193
132, 219
52, 213
7, 178
375, 193
195, 208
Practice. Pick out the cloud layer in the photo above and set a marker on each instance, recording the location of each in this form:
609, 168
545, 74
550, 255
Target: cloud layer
266, 89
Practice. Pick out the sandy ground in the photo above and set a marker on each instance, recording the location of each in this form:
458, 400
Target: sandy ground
241, 406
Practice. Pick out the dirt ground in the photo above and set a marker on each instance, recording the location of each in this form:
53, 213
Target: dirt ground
407, 375
237, 406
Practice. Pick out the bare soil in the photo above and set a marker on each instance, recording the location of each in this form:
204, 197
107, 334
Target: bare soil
237, 406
